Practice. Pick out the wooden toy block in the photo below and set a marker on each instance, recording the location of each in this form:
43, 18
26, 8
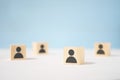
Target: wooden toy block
102, 49
18, 52
40, 48
73, 55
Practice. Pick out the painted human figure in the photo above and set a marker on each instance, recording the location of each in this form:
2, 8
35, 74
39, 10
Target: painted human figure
42, 50
18, 54
100, 51
71, 59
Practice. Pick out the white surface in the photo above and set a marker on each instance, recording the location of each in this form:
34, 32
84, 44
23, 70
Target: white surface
51, 67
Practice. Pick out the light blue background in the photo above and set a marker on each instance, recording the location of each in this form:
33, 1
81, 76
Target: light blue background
60, 22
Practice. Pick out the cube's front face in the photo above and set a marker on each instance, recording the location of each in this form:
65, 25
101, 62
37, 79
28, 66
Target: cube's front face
73, 55
40, 48
102, 49
18, 52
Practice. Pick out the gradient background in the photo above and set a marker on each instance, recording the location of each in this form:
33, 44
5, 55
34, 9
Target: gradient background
60, 22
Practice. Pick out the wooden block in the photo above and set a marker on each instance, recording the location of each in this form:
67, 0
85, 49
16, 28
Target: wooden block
73, 55
102, 49
18, 52
40, 48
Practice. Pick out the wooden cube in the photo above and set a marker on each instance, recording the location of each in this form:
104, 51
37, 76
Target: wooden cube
40, 48
73, 55
18, 52
102, 49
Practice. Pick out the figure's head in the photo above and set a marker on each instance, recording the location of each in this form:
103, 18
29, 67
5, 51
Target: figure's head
71, 52
100, 46
42, 46
18, 49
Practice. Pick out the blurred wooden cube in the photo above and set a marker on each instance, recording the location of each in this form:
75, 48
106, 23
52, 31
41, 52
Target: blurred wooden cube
40, 48
18, 52
102, 49
74, 55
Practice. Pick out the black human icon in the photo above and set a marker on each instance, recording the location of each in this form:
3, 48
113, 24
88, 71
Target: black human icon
100, 51
71, 59
42, 50
18, 54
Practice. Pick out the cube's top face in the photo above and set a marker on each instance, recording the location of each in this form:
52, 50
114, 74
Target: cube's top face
74, 55
102, 49
18, 52
40, 48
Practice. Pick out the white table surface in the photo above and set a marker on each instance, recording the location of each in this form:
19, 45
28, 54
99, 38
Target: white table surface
51, 67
